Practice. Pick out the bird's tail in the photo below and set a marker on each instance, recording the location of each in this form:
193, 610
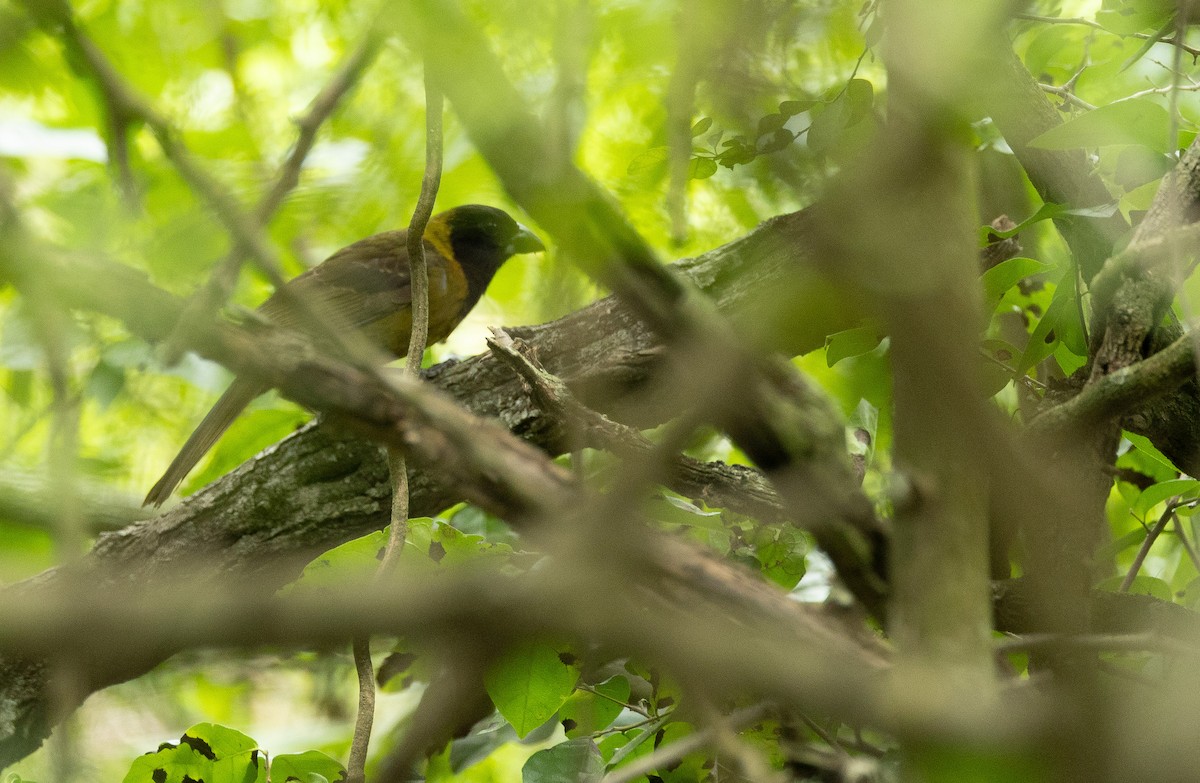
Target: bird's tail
232, 402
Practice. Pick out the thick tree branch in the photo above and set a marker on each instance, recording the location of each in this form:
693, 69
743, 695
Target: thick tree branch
321, 487
785, 426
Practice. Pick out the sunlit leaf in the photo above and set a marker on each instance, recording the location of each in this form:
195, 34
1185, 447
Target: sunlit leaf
1142, 585
529, 684
573, 760
1136, 121
1003, 276
1153, 495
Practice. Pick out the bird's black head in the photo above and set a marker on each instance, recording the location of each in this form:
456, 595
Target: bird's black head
482, 238
476, 227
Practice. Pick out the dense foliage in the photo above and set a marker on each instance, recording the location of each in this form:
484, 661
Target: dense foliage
895, 496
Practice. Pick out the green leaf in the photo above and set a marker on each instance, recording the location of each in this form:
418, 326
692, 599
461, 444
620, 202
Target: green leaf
792, 108
359, 557
1060, 322
169, 765
828, 131
529, 684
771, 123
860, 97
1136, 121
568, 762
782, 555
221, 740
1046, 211
311, 766
852, 342
1142, 585
703, 124
1134, 16
589, 711
995, 374
206, 752
1115, 547
1146, 458
105, 383
1003, 276
1153, 495
649, 163
778, 140
680, 511
702, 168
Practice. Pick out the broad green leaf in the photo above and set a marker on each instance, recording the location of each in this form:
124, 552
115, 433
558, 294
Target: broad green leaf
455, 546
1137, 165
235, 757
1191, 594
996, 372
702, 125
771, 123
169, 765
1142, 585
1047, 211
529, 684
1124, 17
852, 342
792, 108
485, 737
359, 557
1003, 276
311, 766
1136, 121
701, 168
1153, 495
625, 746
781, 553
206, 752
650, 163
1060, 322
675, 510
105, 383
1131, 539
962, 762
1153, 462
589, 711
828, 130
573, 761
221, 740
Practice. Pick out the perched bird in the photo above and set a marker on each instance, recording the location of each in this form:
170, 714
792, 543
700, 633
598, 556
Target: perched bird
366, 285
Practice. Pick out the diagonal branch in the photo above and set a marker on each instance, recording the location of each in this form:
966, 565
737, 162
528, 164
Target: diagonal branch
257, 516
776, 417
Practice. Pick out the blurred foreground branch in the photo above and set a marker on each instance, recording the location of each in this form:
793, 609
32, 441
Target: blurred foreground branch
320, 487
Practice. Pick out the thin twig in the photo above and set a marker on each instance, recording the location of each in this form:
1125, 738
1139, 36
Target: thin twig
1186, 542
205, 302
1067, 95
397, 464
627, 705
1153, 535
1080, 21
419, 277
669, 754
126, 105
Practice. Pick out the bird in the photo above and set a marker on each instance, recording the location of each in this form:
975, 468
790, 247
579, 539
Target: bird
366, 285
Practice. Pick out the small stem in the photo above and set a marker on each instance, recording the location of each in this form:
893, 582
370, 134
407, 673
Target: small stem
356, 765
1145, 550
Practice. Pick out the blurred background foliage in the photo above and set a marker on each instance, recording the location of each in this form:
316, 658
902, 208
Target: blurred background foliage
788, 90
